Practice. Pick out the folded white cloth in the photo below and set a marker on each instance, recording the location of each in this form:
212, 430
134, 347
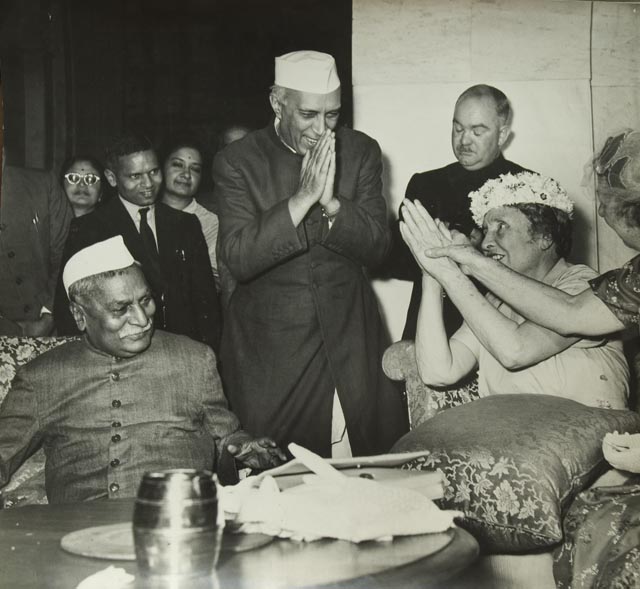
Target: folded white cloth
109, 578
622, 451
331, 505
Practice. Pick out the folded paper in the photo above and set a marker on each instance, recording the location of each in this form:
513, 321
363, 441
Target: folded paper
332, 505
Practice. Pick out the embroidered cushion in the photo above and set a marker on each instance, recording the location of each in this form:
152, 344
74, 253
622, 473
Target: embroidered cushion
27, 483
513, 463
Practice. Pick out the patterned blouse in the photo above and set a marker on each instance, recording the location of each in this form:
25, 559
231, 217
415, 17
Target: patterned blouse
620, 290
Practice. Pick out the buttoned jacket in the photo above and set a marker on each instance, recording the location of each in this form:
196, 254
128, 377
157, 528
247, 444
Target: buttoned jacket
303, 320
105, 421
34, 221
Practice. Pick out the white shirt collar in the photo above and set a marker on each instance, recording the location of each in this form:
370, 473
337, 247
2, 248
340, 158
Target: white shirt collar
276, 125
133, 211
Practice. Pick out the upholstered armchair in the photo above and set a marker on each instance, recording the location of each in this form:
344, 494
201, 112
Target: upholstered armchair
27, 483
399, 363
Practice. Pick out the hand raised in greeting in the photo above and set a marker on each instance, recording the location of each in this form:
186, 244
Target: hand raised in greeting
316, 167
421, 233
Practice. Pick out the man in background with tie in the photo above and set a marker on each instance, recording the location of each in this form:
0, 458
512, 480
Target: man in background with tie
168, 243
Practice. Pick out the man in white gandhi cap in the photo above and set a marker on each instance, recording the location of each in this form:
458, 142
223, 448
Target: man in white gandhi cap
302, 218
122, 400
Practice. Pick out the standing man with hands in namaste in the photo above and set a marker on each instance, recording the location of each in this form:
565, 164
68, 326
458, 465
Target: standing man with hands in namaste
302, 216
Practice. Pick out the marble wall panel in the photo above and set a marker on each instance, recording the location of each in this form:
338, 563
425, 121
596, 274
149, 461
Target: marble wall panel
616, 44
527, 40
411, 41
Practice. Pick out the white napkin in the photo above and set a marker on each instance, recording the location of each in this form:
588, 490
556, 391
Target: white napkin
332, 505
109, 578
622, 451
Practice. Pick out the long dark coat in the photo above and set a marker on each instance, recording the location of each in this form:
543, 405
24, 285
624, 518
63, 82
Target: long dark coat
34, 221
303, 320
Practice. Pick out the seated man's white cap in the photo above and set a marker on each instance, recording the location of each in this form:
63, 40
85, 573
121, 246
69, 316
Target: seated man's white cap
110, 254
307, 71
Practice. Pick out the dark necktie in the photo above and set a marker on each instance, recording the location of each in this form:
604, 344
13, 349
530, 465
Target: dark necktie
147, 235
153, 271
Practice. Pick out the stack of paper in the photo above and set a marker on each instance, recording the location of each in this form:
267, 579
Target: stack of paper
330, 504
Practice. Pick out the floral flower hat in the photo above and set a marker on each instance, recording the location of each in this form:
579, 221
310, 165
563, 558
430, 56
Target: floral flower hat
511, 189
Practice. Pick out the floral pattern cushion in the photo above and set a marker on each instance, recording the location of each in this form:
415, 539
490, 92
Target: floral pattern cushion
27, 483
513, 463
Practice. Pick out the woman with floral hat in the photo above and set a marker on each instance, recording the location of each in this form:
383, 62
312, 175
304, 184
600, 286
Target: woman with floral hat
584, 559
526, 220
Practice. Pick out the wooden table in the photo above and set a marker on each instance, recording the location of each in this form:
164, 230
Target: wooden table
31, 557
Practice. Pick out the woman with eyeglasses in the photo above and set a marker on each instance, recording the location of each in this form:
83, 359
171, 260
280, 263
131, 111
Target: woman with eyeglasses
82, 181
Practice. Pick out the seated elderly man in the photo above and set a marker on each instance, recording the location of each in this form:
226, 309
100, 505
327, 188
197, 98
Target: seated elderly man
123, 400
526, 220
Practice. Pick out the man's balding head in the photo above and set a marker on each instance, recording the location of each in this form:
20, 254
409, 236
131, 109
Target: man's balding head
480, 126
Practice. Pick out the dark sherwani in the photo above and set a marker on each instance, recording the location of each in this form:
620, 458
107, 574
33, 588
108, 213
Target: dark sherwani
184, 289
303, 319
445, 194
105, 421
34, 220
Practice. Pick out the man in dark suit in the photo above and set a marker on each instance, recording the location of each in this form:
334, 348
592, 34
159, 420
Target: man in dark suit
302, 216
168, 243
34, 220
481, 127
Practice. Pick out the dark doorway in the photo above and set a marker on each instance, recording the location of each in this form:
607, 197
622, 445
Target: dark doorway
201, 65
95, 68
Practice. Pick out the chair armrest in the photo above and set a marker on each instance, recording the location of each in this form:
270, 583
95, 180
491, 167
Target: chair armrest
399, 361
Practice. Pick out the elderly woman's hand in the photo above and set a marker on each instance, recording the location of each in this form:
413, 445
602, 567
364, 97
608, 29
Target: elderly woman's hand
421, 233
622, 451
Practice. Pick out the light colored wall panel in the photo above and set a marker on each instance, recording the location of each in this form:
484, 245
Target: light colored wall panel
616, 96
530, 40
393, 298
616, 44
614, 109
411, 41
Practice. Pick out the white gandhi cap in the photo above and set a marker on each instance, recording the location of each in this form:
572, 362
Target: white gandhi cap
111, 254
307, 71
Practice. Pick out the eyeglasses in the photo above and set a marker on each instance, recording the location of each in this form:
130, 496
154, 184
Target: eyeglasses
88, 179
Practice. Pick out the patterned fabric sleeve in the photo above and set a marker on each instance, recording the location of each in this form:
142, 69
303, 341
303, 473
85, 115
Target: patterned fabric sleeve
620, 291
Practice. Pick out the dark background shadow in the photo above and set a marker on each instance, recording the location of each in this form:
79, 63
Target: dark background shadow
76, 73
